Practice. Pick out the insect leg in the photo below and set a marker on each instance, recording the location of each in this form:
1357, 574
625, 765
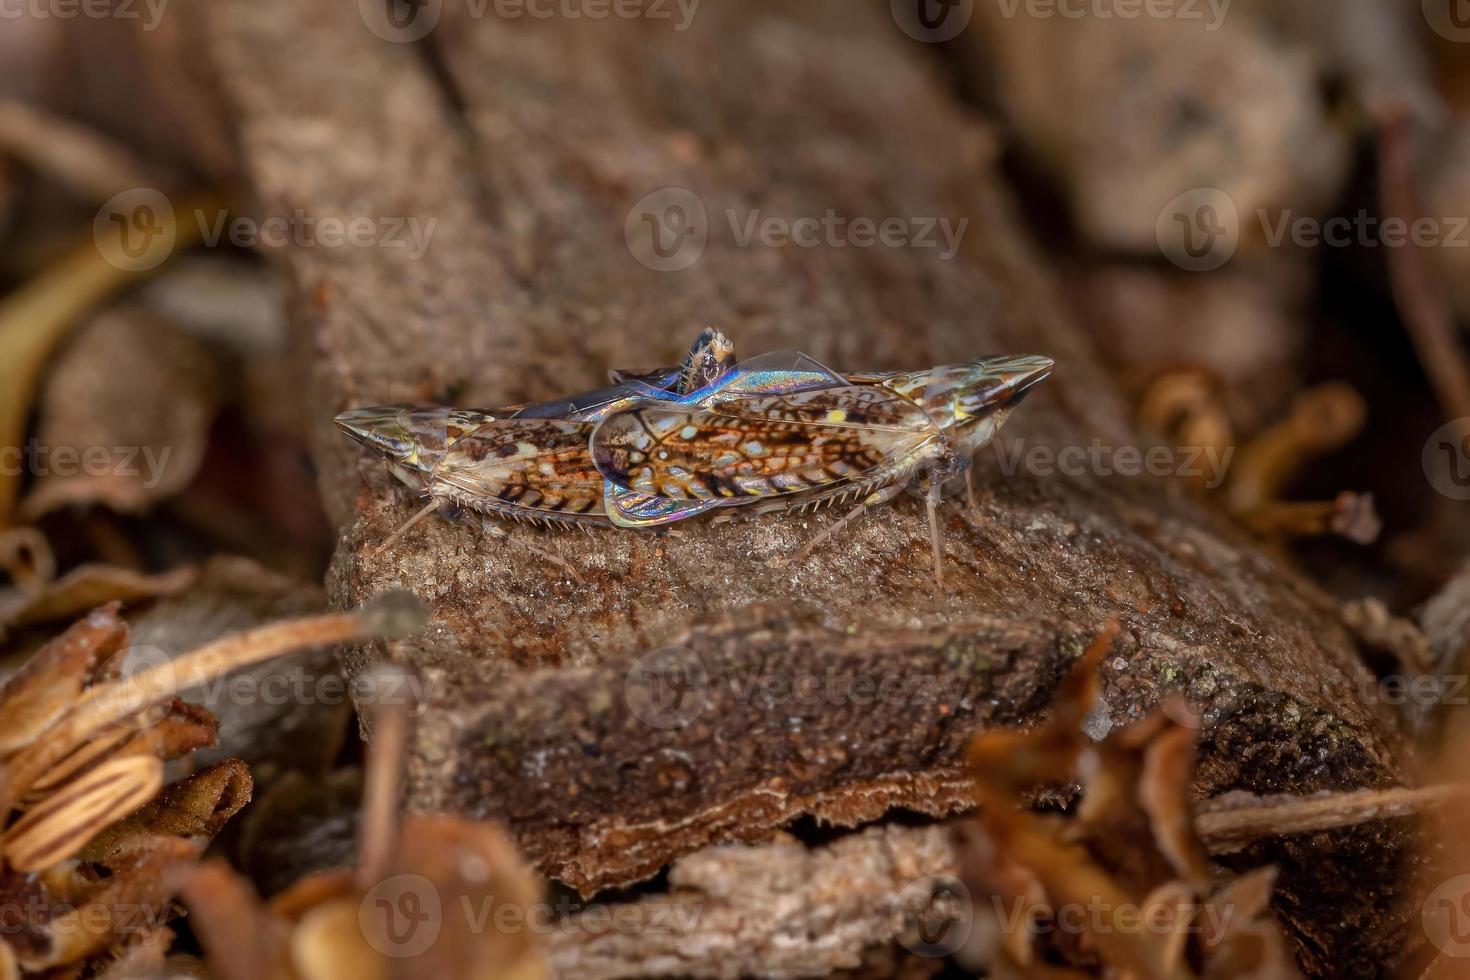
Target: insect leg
872, 500
496, 531
931, 503
970, 486
432, 506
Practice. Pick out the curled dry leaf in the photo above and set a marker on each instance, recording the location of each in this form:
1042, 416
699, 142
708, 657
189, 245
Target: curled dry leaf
86, 588
55, 828
124, 415
35, 318
83, 851
1122, 886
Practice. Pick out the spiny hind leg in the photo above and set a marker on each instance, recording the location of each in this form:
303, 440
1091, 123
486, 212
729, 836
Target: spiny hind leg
494, 530
836, 527
436, 504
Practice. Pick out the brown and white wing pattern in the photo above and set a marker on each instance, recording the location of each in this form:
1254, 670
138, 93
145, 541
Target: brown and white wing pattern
537, 469
766, 445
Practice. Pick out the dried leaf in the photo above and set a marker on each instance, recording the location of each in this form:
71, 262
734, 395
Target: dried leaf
35, 318
129, 400
198, 805
89, 586
1129, 854
1164, 793
48, 685
60, 825
243, 942
109, 704
134, 894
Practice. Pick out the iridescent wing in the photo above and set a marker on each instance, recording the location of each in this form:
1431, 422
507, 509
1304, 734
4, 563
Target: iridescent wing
781, 372
765, 445
629, 508
538, 466
710, 357
591, 406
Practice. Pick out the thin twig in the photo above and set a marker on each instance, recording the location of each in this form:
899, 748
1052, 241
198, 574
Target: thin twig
1421, 301
1233, 827
388, 715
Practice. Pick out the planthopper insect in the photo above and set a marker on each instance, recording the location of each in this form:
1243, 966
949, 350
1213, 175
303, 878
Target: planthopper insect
822, 440
777, 432
441, 452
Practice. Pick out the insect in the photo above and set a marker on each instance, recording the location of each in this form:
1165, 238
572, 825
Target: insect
821, 441
774, 433
415, 441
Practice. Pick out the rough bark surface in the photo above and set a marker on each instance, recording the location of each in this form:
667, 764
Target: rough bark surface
529, 143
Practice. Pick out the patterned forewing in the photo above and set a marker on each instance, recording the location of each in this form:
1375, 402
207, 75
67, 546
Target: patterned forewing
540, 466
765, 445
